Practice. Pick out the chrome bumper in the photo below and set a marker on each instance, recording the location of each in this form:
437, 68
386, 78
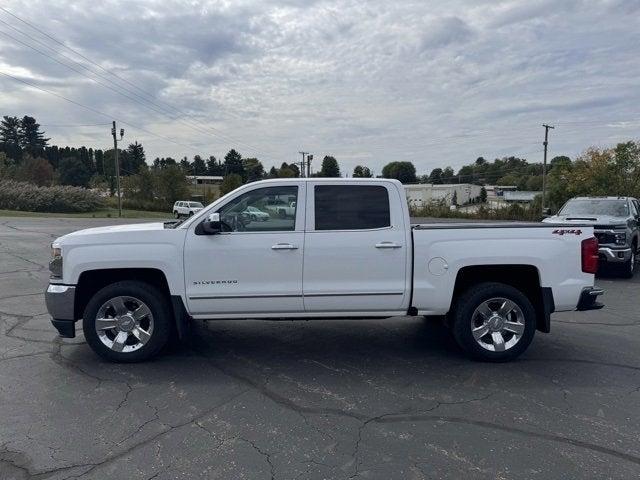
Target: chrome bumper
588, 299
60, 300
615, 255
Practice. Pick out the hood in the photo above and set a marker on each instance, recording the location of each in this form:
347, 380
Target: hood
587, 219
136, 227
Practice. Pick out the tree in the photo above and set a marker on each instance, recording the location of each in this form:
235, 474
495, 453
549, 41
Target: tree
73, 172
230, 183
483, 195
403, 171
141, 186
171, 184
198, 166
233, 164
185, 165
30, 137
362, 172
135, 158
7, 168
435, 176
254, 170
329, 168
10, 137
448, 176
214, 167
35, 170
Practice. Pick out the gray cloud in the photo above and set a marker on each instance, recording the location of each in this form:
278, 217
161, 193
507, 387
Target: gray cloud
367, 81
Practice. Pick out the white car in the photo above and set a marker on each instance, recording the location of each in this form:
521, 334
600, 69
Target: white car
136, 286
186, 209
255, 214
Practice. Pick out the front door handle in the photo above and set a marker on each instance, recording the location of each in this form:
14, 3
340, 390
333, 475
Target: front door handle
388, 245
283, 246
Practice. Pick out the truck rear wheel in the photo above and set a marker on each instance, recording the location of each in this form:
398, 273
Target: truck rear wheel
127, 321
493, 322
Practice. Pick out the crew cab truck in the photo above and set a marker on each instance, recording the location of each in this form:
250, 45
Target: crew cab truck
348, 251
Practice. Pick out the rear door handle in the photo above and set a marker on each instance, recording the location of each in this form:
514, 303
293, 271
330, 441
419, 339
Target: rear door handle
388, 245
283, 246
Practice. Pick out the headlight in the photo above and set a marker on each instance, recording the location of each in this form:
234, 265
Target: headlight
621, 238
55, 264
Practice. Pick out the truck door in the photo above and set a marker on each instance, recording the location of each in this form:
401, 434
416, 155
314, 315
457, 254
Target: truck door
355, 257
255, 266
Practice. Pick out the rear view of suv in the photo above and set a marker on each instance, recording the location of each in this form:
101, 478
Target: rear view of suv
186, 209
616, 226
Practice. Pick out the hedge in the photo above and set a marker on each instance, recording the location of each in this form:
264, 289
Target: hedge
28, 197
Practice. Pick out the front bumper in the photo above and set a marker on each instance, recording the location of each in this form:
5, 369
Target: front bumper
614, 255
588, 299
60, 301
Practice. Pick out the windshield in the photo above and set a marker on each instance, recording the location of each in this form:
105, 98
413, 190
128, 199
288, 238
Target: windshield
614, 208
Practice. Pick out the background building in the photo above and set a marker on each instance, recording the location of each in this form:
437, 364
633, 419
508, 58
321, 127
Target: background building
420, 194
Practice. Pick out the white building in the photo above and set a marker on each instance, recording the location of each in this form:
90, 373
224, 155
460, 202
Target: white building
204, 179
423, 193
520, 196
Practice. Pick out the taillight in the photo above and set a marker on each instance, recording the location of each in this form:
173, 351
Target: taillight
590, 255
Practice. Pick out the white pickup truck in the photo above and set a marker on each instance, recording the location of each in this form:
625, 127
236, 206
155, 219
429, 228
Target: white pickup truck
349, 251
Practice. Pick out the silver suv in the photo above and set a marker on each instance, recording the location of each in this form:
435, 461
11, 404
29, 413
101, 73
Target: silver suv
616, 223
186, 209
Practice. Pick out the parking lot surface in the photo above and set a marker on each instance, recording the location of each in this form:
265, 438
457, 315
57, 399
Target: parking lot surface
371, 399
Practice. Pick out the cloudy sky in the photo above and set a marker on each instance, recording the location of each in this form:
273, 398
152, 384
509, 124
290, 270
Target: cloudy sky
434, 82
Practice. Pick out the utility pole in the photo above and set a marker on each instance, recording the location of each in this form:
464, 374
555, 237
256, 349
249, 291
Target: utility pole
303, 163
544, 167
309, 158
117, 162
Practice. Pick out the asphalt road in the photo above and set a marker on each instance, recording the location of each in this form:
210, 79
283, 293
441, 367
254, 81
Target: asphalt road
369, 399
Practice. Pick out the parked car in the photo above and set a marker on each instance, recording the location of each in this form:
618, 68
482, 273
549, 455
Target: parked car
186, 209
254, 214
281, 208
133, 286
616, 224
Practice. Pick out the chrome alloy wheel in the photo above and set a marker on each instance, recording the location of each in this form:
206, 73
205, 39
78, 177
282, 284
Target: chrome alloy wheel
497, 324
124, 324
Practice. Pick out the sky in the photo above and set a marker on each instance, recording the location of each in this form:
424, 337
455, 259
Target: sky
432, 82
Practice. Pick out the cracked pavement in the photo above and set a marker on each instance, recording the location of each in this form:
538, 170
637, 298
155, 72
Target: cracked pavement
370, 399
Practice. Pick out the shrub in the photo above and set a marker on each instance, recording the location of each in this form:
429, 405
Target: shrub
28, 197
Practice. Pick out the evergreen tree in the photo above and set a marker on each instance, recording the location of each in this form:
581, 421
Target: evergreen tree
136, 158
362, 172
329, 167
30, 137
10, 137
253, 168
73, 172
198, 167
233, 164
185, 165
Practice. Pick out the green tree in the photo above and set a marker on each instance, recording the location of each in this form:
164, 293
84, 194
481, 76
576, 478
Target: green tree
10, 137
403, 171
483, 195
7, 167
73, 172
35, 170
135, 158
362, 172
329, 167
214, 167
435, 176
171, 184
230, 183
233, 164
254, 170
185, 165
448, 176
30, 137
198, 166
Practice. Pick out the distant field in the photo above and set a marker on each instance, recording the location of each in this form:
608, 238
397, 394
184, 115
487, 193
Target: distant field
107, 213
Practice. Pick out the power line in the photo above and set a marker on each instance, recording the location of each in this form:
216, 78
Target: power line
51, 125
94, 110
209, 130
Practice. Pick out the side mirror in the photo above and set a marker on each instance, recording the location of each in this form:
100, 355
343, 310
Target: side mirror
210, 225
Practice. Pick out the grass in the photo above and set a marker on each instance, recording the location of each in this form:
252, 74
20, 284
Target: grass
106, 213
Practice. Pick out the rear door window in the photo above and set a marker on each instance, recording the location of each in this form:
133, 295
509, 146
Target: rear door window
351, 207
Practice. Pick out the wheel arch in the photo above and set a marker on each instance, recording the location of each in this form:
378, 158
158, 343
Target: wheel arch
525, 278
91, 281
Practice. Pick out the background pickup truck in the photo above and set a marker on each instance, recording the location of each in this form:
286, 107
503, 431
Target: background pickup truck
348, 250
616, 224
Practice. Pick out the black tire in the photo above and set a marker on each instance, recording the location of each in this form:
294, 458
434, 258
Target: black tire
176, 214
628, 268
191, 214
472, 298
157, 303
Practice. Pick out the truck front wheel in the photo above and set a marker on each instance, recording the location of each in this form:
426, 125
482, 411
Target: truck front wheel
127, 321
493, 322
